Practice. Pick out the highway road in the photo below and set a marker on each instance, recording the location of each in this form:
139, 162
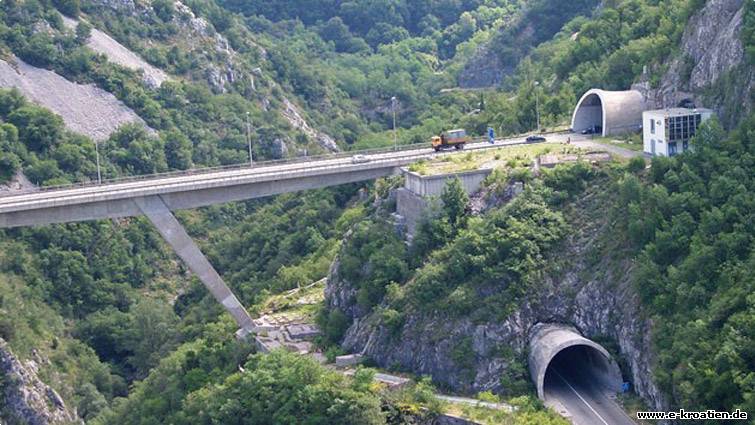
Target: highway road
571, 391
187, 181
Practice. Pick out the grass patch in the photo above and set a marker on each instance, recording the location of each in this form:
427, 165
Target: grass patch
632, 142
510, 156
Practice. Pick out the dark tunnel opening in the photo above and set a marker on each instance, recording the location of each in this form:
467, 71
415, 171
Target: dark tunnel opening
589, 115
579, 366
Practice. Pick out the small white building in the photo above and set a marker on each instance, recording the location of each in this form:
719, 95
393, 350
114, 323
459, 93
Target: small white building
667, 132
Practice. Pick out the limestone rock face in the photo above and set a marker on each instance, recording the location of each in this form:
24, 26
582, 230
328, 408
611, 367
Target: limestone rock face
292, 114
710, 49
483, 70
24, 397
278, 148
340, 294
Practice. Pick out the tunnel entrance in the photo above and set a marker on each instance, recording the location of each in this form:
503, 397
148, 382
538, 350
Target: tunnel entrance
608, 113
581, 366
588, 117
558, 352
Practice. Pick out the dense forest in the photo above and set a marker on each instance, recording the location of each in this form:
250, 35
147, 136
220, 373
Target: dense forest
127, 335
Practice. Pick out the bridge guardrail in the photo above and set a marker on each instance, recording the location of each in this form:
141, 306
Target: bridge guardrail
259, 164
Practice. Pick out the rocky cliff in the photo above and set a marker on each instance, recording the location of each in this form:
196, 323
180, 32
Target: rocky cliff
594, 296
24, 398
710, 69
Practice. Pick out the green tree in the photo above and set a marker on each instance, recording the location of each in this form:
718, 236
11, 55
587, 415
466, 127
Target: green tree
151, 334
38, 128
178, 150
83, 32
164, 9
455, 202
68, 7
284, 388
135, 151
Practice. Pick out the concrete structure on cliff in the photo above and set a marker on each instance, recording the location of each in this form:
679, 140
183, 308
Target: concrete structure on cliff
413, 200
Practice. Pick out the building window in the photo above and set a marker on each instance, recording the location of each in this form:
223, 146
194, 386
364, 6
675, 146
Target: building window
671, 149
652, 126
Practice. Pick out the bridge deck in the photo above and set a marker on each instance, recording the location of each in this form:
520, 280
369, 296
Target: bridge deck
202, 180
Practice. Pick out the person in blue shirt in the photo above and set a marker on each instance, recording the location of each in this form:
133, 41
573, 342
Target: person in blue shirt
491, 135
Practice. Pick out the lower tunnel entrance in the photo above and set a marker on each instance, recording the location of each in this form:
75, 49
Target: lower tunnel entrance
579, 383
580, 365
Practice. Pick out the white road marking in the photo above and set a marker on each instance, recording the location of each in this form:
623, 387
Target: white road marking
581, 398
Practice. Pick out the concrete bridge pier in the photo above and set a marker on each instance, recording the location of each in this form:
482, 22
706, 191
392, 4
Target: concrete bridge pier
173, 232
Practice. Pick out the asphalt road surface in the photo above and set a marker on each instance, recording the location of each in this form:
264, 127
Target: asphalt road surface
571, 391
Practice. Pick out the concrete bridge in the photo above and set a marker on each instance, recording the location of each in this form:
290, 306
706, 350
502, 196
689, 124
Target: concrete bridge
156, 196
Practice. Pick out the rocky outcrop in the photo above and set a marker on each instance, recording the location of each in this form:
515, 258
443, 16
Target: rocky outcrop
24, 398
293, 116
484, 69
18, 182
340, 294
711, 49
597, 299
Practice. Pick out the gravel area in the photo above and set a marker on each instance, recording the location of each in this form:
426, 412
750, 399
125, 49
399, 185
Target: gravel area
85, 108
118, 53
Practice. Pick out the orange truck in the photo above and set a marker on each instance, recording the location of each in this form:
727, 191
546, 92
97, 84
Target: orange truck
452, 138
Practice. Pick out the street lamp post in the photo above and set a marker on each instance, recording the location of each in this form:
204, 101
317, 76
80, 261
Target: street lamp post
97, 152
395, 138
249, 139
537, 105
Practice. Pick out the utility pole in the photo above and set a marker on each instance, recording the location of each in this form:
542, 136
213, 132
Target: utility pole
249, 138
97, 152
537, 105
395, 139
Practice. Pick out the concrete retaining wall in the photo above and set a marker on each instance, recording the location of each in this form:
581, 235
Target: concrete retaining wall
411, 207
420, 192
433, 185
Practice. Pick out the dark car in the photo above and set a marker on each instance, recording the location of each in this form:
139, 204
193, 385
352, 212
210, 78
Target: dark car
535, 138
593, 130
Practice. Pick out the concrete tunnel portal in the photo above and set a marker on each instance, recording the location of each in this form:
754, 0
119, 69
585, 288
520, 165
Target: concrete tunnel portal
559, 354
613, 112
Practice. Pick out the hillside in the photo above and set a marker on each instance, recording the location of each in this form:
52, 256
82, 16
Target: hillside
627, 257
100, 322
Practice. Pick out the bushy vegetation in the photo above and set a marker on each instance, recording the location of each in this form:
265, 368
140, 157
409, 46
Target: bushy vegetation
373, 258
690, 221
499, 255
110, 308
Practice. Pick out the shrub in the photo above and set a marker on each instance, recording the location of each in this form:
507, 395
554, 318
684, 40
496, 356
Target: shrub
636, 164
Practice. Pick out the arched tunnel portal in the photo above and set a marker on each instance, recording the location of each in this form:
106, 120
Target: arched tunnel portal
609, 113
559, 354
